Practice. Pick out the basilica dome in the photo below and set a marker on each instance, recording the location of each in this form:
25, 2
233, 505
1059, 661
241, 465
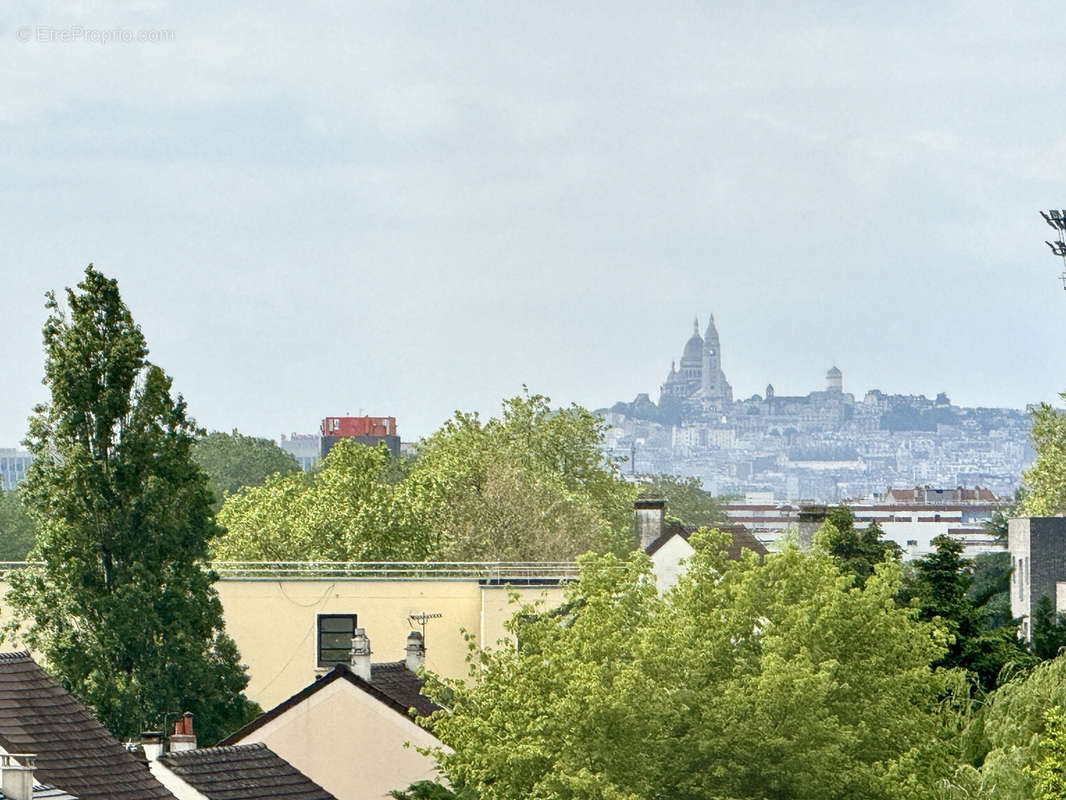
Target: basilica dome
693, 353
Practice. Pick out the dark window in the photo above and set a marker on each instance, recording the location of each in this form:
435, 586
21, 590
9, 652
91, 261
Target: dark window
335, 632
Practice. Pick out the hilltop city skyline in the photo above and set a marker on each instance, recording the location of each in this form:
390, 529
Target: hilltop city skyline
798, 378
827, 445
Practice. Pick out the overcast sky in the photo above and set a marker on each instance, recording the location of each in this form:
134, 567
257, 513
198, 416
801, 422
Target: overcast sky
412, 208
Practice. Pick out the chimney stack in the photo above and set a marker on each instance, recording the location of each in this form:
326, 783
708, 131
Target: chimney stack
152, 744
183, 738
809, 520
17, 775
648, 521
416, 651
361, 654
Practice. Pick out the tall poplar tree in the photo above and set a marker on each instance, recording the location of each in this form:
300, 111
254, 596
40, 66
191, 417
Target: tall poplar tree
122, 611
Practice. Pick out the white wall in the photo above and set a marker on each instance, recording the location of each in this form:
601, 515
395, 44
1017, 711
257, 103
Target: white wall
666, 562
349, 743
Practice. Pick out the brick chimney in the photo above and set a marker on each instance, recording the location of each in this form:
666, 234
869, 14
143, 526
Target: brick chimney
416, 651
361, 654
16, 775
648, 521
183, 738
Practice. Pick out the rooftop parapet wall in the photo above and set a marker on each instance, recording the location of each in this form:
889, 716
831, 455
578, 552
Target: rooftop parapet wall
488, 571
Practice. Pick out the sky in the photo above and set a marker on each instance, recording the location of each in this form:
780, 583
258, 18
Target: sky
412, 208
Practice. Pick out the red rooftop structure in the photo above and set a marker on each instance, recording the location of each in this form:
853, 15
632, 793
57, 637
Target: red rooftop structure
358, 426
370, 431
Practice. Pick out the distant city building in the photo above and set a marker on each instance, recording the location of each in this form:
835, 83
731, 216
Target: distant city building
968, 498
370, 431
306, 448
13, 466
1037, 548
911, 518
823, 446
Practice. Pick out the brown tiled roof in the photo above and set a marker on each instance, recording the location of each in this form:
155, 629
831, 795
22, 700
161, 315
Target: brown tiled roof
742, 539
390, 683
242, 772
74, 751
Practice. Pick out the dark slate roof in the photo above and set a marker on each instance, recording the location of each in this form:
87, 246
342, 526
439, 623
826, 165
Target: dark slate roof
74, 751
242, 772
401, 686
390, 683
742, 539
42, 792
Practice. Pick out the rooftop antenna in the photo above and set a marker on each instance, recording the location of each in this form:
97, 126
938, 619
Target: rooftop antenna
1056, 219
422, 619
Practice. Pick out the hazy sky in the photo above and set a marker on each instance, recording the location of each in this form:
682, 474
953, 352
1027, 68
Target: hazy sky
412, 208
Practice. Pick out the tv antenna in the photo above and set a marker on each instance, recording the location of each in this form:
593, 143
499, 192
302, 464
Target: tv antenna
422, 619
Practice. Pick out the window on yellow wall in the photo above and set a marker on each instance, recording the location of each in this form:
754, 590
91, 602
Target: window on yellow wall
335, 632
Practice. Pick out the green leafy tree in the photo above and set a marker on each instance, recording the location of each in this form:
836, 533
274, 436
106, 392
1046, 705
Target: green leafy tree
1044, 483
531, 484
1049, 630
346, 511
1050, 772
996, 525
939, 588
1003, 739
686, 499
857, 551
990, 587
233, 461
122, 611
16, 528
746, 681
431, 790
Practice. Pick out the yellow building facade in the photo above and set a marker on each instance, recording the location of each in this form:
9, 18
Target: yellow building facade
273, 613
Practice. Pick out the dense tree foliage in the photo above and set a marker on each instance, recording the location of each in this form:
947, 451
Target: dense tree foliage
990, 587
345, 511
686, 499
16, 528
1003, 739
431, 790
1049, 630
940, 587
1044, 483
531, 485
1049, 774
232, 461
746, 681
123, 611
857, 551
